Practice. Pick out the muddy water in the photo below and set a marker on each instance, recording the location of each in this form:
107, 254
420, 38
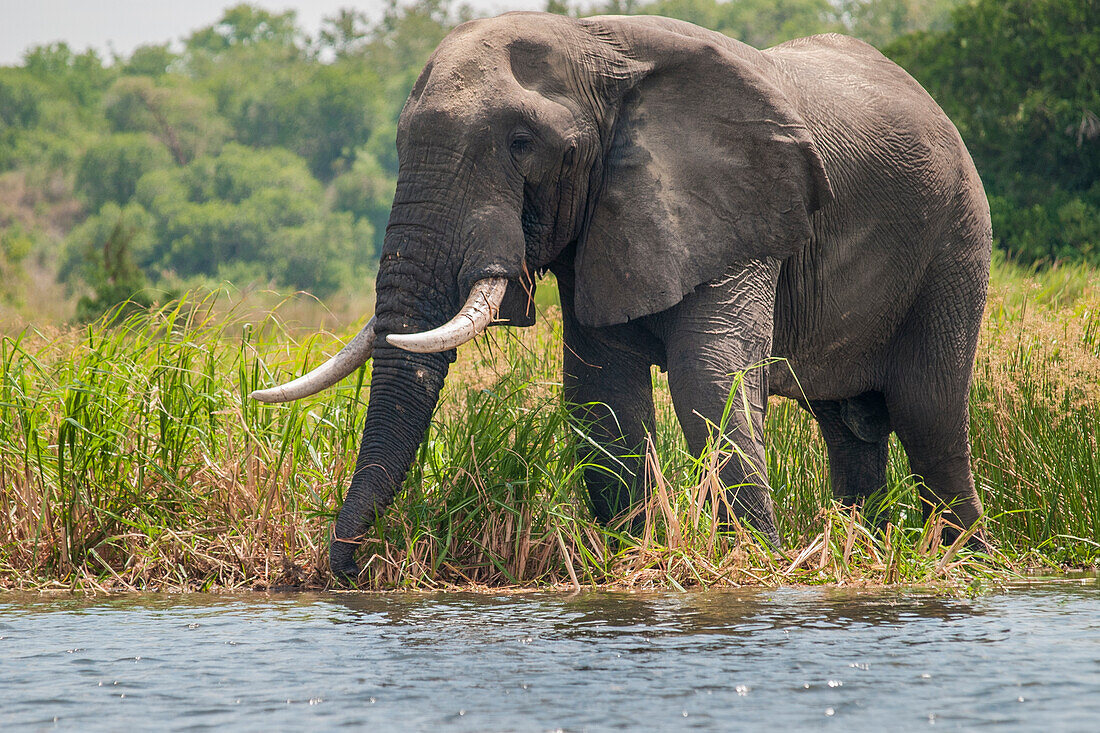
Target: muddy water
777, 659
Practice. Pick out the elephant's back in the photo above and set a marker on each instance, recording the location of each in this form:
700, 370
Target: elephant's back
876, 128
906, 199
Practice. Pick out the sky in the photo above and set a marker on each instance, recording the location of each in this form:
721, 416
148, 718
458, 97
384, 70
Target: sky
123, 25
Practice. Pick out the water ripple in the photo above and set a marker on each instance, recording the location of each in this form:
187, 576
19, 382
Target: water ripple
800, 659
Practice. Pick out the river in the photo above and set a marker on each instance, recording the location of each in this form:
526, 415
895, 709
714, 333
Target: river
777, 659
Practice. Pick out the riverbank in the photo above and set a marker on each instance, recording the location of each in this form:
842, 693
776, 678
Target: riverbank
131, 458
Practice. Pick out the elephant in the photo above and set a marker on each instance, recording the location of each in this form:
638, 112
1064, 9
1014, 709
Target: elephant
804, 216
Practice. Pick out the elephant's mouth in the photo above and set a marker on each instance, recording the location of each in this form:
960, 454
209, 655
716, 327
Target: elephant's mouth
481, 308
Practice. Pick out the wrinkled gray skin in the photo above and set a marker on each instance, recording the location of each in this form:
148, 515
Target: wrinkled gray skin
704, 206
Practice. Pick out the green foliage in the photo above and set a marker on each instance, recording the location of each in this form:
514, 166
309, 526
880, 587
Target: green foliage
324, 254
151, 60
1060, 226
1021, 80
331, 114
402, 41
110, 169
21, 96
48, 108
366, 191
178, 115
321, 112
272, 93
15, 244
81, 78
38, 125
257, 213
101, 254
881, 21
246, 25
344, 33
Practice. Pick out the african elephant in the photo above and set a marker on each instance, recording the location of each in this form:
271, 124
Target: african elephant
704, 206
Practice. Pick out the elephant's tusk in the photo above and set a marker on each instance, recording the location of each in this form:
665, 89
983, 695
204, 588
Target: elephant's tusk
480, 310
346, 361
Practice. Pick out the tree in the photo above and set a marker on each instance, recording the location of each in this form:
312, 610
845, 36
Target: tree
82, 78
16, 243
38, 126
760, 23
880, 21
100, 253
252, 214
181, 117
322, 113
323, 254
344, 33
21, 98
1021, 81
366, 191
246, 25
110, 169
402, 41
153, 61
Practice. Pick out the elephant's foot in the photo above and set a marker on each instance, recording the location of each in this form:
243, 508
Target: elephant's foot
766, 539
978, 542
752, 509
341, 560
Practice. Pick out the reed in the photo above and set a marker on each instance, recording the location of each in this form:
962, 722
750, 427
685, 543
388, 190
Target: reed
130, 457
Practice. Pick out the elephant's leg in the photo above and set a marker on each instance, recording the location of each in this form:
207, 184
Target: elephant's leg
609, 391
717, 338
700, 397
927, 398
857, 434
935, 437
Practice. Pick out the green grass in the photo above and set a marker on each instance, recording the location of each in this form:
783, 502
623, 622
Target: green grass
130, 457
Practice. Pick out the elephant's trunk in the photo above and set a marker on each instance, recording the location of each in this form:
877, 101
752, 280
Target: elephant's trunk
403, 393
432, 243
405, 385
411, 297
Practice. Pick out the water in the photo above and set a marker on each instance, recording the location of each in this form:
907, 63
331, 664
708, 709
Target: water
781, 659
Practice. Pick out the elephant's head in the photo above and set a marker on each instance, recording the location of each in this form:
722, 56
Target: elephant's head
533, 137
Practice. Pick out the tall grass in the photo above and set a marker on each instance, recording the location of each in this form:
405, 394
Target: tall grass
131, 457
1035, 410
131, 450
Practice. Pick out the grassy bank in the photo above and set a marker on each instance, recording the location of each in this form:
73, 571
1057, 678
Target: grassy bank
130, 457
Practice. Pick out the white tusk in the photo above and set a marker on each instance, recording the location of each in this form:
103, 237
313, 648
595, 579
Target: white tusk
346, 361
480, 310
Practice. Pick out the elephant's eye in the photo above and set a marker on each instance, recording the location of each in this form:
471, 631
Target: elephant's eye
522, 143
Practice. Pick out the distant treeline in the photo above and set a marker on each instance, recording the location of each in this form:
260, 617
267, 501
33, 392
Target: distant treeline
255, 153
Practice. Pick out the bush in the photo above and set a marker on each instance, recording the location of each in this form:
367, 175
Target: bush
15, 244
175, 112
110, 169
100, 253
1060, 227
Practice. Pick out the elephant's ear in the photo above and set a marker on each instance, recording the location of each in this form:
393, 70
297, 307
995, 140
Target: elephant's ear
709, 163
